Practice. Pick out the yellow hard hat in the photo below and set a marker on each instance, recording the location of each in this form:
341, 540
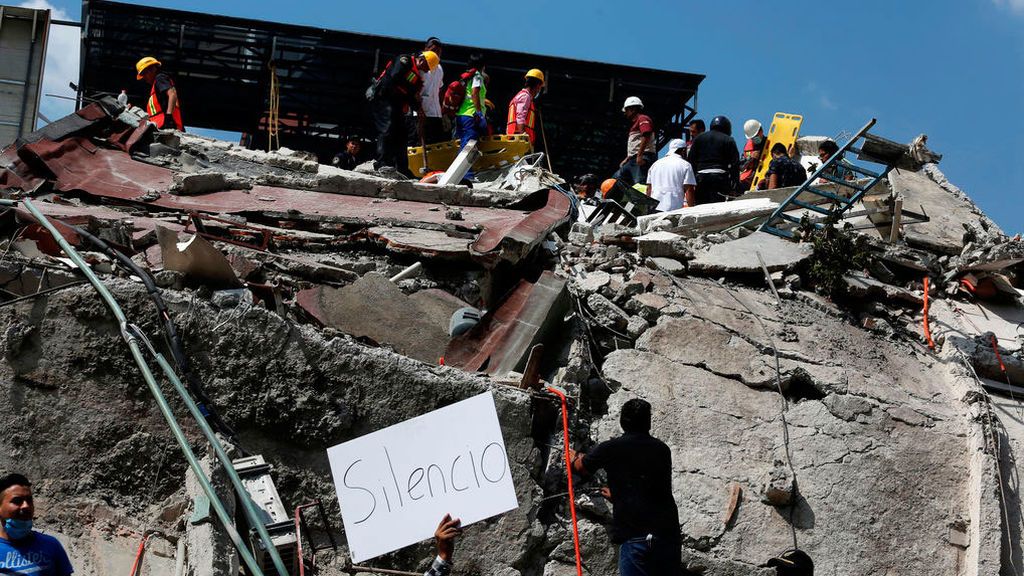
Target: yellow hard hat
535, 73
432, 59
143, 64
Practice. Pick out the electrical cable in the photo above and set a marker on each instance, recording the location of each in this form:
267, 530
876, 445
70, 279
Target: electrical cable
165, 410
568, 475
172, 337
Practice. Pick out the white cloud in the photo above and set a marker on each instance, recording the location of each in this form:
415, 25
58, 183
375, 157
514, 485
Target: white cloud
61, 62
821, 95
1014, 5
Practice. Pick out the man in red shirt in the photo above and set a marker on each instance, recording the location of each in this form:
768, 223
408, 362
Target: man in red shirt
522, 117
640, 148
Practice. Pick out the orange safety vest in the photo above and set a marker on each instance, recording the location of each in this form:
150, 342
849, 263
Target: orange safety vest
748, 152
413, 81
531, 118
155, 111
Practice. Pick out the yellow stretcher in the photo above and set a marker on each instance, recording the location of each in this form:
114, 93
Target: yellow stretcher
785, 130
496, 152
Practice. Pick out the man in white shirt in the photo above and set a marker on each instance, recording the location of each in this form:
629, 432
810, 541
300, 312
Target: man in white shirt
671, 181
433, 83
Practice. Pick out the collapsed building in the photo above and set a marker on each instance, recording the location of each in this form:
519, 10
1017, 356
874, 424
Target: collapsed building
852, 394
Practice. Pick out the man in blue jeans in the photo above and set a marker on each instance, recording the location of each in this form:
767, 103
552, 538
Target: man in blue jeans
471, 123
645, 520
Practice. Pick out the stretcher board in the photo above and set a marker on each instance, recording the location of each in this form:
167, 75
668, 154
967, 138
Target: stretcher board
785, 130
496, 151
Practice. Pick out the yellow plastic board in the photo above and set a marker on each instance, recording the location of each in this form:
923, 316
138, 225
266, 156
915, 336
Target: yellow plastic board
495, 152
785, 130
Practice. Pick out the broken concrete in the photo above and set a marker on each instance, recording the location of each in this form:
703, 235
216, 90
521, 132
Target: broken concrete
708, 217
897, 451
373, 307
949, 212
741, 256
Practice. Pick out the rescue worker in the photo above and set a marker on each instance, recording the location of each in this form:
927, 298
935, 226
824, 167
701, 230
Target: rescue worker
784, 171
640, 150
752, 152
433, 83
716, 160
471, 122
645, 520
348, 158
522, 113
163, 106
695, 128
396, 91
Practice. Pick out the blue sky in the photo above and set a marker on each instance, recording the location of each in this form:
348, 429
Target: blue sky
952, 69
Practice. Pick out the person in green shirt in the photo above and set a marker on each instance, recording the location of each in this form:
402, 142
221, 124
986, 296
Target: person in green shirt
471, 123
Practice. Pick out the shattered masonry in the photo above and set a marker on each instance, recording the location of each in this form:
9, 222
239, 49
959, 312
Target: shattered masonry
276, 272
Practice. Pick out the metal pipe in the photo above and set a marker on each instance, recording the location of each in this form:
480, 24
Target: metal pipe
154, 388
250, 509
408, 272
179, 558
28, 76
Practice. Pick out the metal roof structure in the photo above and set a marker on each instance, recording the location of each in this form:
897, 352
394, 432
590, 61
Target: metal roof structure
223, 68
23, 38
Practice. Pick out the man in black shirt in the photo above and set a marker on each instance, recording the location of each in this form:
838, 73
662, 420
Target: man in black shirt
645, 520
784, 171
716, 160
396, 92
348, 158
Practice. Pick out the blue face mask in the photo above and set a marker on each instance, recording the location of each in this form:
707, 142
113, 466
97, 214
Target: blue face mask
17, 529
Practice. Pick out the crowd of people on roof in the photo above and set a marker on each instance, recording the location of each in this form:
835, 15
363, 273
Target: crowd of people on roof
411, 105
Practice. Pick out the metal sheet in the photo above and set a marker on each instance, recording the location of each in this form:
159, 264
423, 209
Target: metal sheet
76, 164
502, 340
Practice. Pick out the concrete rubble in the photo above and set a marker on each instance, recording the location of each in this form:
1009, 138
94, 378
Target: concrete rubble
832, 417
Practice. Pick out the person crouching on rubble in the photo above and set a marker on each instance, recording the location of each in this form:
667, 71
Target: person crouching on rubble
645, 520
22, 549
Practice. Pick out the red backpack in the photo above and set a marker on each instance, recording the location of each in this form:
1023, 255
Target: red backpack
455, 94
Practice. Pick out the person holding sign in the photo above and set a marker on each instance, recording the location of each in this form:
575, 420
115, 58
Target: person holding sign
645, 520
444, 538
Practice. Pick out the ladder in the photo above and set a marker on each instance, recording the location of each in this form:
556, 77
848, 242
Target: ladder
839, 203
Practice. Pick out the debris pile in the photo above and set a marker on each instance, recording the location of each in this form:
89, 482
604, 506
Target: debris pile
841, 405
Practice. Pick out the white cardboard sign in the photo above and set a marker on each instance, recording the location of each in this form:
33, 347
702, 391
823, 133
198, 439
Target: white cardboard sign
395, 485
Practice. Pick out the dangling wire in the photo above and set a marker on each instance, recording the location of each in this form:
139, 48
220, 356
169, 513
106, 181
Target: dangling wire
274, 116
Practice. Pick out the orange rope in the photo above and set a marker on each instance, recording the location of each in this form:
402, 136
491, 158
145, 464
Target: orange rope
568, 474
927, 332
137, 564
995, 348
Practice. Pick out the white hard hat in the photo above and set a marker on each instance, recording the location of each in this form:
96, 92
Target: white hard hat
750, 128
632, 101
675, 144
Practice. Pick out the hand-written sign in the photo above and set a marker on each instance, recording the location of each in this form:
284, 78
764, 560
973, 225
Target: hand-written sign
396, 484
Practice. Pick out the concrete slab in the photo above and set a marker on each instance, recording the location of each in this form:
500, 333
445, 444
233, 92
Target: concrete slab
862, 286
707, 217
373, 307
948, 212
740, 256
425, 243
